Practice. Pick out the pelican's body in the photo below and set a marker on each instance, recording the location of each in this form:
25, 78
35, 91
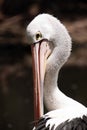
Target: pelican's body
65, 113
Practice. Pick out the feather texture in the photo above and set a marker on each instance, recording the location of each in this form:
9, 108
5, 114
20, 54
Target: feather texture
74, 124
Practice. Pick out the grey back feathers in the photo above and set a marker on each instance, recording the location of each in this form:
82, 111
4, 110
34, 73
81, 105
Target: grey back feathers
75, 124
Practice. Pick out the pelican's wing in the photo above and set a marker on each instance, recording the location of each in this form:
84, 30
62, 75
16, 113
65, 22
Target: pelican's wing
75, 124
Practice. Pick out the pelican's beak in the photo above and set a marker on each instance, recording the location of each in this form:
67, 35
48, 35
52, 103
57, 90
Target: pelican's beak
40, 53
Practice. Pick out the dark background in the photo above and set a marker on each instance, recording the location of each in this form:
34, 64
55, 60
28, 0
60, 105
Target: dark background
16, 85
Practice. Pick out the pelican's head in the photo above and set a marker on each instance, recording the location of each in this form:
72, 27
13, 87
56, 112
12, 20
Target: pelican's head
46, 28
40, 28
51, 46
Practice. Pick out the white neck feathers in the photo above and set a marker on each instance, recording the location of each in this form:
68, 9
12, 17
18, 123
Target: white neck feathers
53, 97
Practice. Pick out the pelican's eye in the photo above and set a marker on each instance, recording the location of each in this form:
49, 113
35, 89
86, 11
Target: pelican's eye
38, 35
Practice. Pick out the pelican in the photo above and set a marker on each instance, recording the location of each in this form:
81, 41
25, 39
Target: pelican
51, 46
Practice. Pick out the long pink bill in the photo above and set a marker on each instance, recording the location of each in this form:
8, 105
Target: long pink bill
40, 52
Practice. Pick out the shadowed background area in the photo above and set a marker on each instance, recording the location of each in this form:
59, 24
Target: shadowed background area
16, 80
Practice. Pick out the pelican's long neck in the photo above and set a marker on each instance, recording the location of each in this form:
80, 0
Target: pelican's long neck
53, 97
52, 94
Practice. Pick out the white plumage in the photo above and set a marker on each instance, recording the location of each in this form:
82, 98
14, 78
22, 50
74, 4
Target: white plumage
61, 107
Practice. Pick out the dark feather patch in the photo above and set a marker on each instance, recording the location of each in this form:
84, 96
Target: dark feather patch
41, 124
75, 124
